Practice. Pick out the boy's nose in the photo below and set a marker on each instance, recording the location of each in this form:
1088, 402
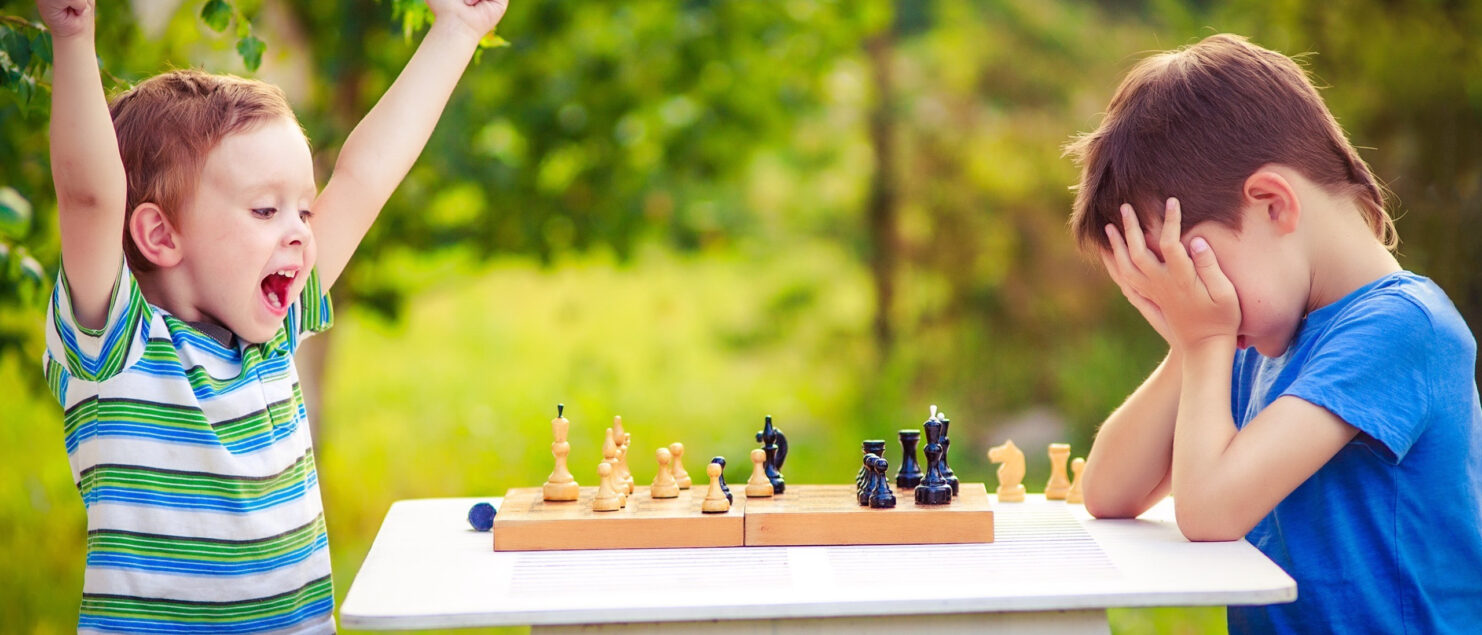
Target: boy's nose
298, 233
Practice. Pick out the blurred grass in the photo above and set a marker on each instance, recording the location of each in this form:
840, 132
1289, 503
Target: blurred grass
456, 398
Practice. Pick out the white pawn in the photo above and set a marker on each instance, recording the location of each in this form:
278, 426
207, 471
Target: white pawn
715, 500
607, 499
680, 476
623, 462
759, 486
609, 458
1077, 465
620, 469
664, 485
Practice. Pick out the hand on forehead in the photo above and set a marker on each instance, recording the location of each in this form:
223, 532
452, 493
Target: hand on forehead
1151, 225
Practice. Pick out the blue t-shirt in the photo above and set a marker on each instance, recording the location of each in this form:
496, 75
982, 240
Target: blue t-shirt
1387, 536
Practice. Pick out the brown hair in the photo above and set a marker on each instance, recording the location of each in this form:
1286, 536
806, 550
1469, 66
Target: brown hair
169, 123
1195, 123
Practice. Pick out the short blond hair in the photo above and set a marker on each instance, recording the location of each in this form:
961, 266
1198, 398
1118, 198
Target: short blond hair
169, 123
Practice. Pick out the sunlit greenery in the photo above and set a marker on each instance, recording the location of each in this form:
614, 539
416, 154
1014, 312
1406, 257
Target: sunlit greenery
694, 214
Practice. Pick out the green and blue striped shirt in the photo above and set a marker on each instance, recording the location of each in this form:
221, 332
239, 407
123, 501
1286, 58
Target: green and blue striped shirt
195, 465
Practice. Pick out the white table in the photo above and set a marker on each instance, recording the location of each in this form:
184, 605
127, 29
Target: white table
1052, 568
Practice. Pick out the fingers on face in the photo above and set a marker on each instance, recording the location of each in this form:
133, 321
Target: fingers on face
1137, 248
1210, 273
1170, 241
1119, 256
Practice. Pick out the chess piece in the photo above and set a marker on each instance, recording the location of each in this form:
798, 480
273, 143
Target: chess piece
1074, 495
623, 459
1010, 473
624, 442
609, 448
561, 486
607, 499
882, 497
681, 477
864, 484
934, 489
1059, 484
774, 443
716, 501
910, 473
664, 484
872, 446
481, 516
946, 446
721, 461
759, 486
609, 458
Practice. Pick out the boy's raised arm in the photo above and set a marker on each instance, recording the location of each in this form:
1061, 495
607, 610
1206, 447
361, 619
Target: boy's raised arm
85, 162
383, 147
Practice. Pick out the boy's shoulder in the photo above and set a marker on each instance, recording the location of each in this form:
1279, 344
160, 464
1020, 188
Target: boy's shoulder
1406, 305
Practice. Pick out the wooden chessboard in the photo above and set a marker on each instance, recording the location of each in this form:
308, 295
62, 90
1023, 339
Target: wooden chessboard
803, 515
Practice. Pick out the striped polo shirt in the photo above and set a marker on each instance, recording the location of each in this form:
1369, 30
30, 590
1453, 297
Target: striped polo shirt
195, 465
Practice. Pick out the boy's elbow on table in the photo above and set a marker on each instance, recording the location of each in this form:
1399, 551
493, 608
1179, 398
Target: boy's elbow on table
1207, 523
1109, 503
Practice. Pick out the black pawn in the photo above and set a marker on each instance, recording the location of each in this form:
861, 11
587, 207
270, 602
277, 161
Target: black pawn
882, 497
875, 447
910, 472
865, 486
933, 489
723, 487
947, 445
774, 443
481, 516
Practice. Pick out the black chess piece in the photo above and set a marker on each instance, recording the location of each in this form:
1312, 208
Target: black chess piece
865, 484
947, 445
481, 516
723, 487
882, 496
872, 446
933, 489
910, 472
775, 445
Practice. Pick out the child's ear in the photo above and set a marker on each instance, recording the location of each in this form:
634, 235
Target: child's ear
1273, 196
154, 235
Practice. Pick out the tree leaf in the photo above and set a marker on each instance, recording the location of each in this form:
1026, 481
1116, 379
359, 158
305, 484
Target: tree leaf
41, 46
16, 46
217, 14
15, 213
26, 89
251, 48
493, 41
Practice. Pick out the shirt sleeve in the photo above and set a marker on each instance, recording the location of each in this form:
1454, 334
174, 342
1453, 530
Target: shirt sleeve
312, 313
97, 354
1372, 369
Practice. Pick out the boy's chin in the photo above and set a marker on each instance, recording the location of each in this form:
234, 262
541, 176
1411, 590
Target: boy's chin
1268, 349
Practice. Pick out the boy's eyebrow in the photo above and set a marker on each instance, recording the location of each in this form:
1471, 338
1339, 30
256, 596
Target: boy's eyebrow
264, 186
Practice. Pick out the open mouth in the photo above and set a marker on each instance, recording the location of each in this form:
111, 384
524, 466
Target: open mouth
275, 288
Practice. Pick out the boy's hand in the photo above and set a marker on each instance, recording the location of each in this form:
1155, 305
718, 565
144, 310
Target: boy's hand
1187, 299
479, 16
1149, 311
66, 18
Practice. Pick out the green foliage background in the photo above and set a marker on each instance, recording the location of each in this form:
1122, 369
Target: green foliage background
696, 213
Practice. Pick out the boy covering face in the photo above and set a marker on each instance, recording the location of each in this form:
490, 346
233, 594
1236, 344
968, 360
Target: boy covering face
1317, 398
